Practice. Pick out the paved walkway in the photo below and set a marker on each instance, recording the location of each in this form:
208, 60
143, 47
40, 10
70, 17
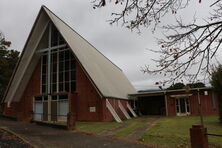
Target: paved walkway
47, 137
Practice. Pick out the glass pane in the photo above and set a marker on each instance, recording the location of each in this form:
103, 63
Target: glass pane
54, 97
67, 55
178, 110
177, 103
66, 76
61, 77
73, 75
54, 78
61, 56
45, 98
63, 110
67, 86
73, 64
44, 59
63, 97
43, 88
72, 56
54, 67
182, 106
54, 37
44, 69
38, 111
38, 98
67, 65
61, 66
61, 87
61, 40
43, 79
54, 57
54, 88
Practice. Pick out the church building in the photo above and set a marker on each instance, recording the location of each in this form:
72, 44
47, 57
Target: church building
60, 72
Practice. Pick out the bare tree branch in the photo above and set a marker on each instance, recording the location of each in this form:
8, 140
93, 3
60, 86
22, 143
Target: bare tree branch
188, 50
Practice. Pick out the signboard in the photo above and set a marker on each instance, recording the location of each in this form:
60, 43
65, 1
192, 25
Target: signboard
92, 109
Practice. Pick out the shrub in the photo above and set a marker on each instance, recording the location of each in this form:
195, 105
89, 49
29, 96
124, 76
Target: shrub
216, 82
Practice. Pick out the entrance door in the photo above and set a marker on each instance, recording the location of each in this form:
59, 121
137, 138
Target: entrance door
38, 109
182, 106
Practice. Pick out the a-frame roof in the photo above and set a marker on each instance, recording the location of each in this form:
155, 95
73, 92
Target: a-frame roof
107, 78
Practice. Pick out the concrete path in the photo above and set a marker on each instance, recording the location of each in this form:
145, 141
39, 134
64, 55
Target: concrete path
47, 137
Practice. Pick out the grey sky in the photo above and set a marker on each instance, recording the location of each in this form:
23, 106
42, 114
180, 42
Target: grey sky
126, 49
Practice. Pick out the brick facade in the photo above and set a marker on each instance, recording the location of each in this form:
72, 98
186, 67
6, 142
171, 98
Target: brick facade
25, 106
208, 108
86, 96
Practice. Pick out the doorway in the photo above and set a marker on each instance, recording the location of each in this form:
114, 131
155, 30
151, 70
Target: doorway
182, 106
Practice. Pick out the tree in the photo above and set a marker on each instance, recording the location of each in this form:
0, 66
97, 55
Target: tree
8, 60
216, 82
184, 46
196, 85
176, 86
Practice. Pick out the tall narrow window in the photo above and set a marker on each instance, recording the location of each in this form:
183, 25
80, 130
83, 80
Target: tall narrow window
44, 74
62, 72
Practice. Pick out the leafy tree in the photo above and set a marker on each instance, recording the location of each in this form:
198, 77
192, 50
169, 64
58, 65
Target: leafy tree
196, 85
176, 86
216, 82
8, 60
184, 46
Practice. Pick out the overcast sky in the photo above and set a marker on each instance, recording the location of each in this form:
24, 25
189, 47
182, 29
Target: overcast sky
126, 49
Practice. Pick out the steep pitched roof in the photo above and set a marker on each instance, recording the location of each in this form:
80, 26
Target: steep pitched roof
108, 79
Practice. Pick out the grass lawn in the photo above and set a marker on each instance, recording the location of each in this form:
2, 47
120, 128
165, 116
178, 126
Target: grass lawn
131, 128
99, 127
174, 131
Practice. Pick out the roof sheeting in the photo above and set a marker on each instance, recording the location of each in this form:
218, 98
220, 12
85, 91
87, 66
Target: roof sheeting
107, 77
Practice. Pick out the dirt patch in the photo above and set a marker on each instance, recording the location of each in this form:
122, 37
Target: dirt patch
139, 132
8, 140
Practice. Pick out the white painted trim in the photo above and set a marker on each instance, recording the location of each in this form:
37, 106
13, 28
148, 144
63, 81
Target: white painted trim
123, 110
112, 111
26, 66
131, 110
51, 48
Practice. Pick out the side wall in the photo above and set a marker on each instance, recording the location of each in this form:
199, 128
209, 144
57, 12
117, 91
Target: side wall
25, 106
208, 106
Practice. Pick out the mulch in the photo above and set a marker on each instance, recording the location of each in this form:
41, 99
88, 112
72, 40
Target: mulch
8, 140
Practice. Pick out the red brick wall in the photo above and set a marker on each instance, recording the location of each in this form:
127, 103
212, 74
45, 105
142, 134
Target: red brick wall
171, 105
87, 97
107, 116
206, 101
25, 106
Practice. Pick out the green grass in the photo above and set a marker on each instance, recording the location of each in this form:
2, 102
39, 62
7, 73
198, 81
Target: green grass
131, 128
174, 131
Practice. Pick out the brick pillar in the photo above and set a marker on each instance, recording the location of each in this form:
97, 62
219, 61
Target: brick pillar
198, 136
31, 115
70, 121
19, 116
